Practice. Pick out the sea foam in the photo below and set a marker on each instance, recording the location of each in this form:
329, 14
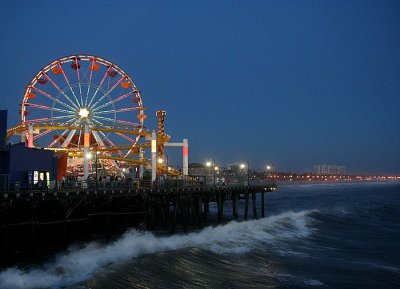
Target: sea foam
79, 263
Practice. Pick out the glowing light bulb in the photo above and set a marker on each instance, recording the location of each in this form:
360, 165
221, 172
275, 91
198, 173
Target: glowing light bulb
84, 113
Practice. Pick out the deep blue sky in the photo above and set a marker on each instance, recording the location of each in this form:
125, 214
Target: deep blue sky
295, 83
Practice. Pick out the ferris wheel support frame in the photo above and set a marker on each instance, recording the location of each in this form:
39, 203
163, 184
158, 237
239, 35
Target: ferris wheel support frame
185, 154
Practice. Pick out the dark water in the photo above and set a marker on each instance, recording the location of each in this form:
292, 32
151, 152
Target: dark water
315, 236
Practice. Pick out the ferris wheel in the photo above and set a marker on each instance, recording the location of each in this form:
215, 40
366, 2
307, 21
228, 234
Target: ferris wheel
80, 92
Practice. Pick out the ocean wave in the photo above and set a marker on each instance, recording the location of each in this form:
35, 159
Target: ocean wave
313, 282
80, 263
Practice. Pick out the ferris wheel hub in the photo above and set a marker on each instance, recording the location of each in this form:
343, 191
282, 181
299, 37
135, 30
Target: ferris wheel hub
83, 112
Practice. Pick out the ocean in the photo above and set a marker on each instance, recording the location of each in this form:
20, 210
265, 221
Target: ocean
343, 235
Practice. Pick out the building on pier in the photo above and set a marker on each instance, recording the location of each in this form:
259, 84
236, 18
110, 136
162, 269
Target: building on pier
21, 166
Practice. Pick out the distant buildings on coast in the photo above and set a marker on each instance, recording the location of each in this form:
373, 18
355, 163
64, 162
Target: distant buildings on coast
329, 170
234, 174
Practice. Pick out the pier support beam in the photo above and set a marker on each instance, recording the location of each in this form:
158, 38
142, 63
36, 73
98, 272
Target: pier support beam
235, 197
246, 205
262, 205
220, 205
253, 198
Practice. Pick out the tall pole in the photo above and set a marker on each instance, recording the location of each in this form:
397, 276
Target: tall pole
212, 165
166, 162
214, 170
141, 167
242, 166
273, 176
86, 143
96, 180
153, 156
185, 153
271, 170
30, 136
248, 174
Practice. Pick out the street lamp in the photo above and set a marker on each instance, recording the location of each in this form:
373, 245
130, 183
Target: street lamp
242, 166
209, 164
269, 169
95, 167
161, 161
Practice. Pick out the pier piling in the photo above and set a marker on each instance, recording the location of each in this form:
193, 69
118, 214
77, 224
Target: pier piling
34, 221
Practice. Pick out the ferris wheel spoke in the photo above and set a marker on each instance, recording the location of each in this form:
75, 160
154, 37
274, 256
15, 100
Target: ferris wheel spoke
68, 139
79, 78
113, 101
57, 120
101, 141
42, 134
45, 107
36, 120
98, 88
68, 83
97, 122
64, 133
90, 82
64, 116
52, 98
62, 92
111, 143
125, 137
107, 93
117, 110
102, 118
79, 137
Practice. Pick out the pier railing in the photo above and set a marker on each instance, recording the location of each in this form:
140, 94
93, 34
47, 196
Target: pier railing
28, 188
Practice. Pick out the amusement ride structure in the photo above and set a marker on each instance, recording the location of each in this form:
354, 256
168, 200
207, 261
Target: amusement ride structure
90, 112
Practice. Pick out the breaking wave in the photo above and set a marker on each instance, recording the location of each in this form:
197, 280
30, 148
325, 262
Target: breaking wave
80, 263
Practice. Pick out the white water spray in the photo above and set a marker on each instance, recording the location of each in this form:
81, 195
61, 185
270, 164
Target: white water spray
77, 264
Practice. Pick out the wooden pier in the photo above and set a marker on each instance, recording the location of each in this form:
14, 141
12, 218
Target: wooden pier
35, 220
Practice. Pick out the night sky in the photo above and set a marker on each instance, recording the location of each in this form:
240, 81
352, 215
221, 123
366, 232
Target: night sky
293, 83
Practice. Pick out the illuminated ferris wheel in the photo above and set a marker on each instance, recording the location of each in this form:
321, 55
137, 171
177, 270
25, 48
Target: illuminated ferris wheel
80, 93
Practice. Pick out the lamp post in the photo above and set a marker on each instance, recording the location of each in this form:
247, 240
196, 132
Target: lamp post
95, 166
216, 170
209, 164
87, 158
242, 166
270, 169
166, 163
